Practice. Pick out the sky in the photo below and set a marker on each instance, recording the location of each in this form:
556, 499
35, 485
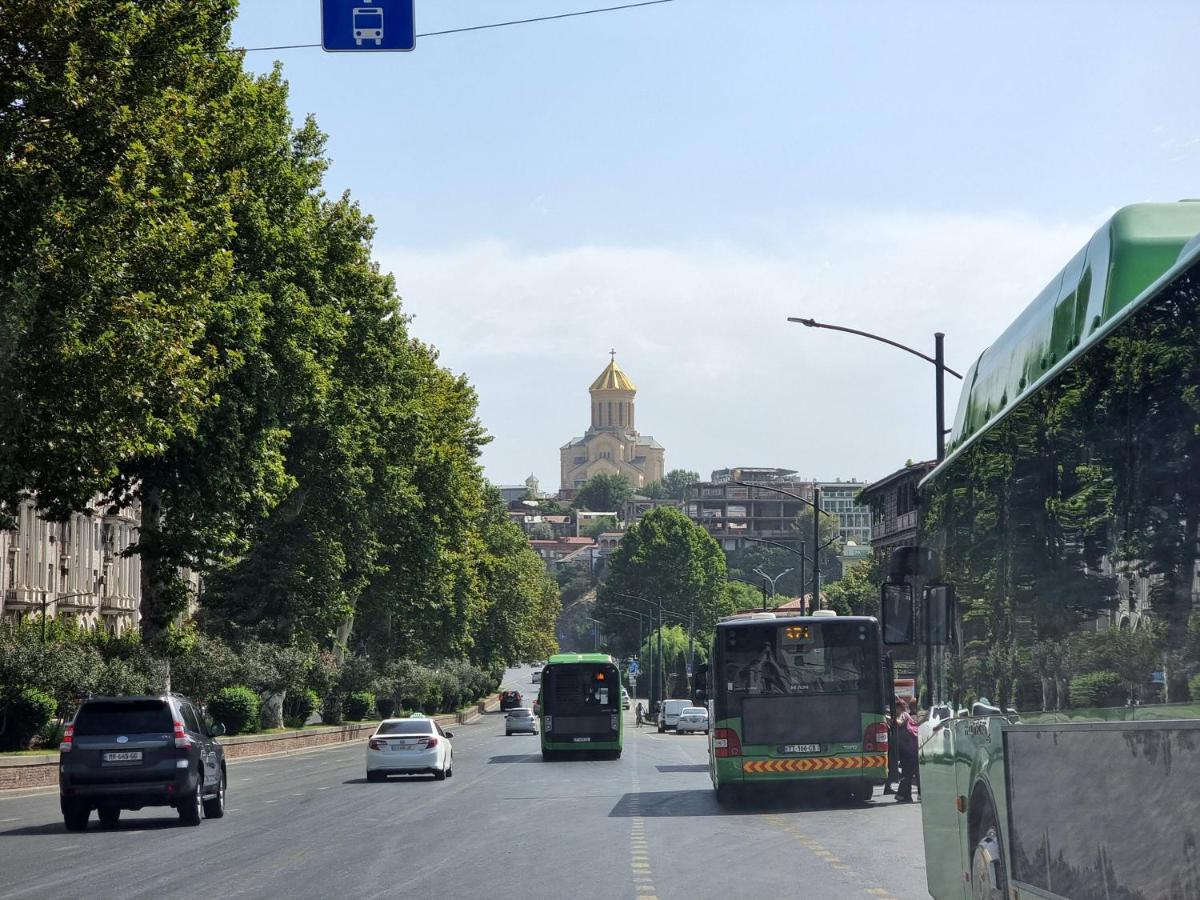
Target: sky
674, 181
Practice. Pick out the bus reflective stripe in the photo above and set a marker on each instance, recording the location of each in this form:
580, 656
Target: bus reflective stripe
813, 764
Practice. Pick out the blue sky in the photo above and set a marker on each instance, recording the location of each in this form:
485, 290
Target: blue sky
676, 180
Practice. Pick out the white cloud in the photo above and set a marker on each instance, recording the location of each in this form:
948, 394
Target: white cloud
723, 379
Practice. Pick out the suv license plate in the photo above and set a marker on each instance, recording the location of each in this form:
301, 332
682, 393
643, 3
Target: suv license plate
124, 756
801, 748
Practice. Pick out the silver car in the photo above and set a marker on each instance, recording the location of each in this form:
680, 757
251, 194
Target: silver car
694, 718
520, 718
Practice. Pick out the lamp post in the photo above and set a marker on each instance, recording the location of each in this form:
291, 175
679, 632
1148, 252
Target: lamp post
773, 580
661, 667
815, 503
799, 553
938, 360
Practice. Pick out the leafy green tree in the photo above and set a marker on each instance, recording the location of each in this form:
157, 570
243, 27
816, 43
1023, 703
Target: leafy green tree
741, 595
856, 593
599, 526
604, 493
679, 484
665, 557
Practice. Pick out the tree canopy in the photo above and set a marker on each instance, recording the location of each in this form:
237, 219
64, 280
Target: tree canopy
604, 493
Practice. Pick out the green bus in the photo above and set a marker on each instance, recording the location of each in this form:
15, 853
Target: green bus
796, 700
579, 705
1057, 587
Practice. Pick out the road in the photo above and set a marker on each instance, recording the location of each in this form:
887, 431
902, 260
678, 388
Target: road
506, 825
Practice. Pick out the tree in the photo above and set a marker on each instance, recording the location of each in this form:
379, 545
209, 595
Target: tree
604, 493
856, 593
678, 483
665, 557
743, 596
599, 526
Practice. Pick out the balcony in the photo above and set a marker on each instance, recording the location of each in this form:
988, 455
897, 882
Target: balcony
76, 603
21, 598
114, 605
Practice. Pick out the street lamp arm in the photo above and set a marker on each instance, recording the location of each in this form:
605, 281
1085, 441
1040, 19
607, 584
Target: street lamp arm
813, 323
804, 500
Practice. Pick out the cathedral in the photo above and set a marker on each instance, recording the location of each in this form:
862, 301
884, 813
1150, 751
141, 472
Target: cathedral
612, 445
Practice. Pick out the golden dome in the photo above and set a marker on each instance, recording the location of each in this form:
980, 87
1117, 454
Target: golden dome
613, 378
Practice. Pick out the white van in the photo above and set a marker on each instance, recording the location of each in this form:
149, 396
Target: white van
668, 713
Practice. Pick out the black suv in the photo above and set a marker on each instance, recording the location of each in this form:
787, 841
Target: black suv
129, 752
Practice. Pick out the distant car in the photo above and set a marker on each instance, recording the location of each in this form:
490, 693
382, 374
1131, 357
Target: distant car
694, 718
668, 713
624, 699
411, 746
537, 676
510, 700
520, 719
123, 753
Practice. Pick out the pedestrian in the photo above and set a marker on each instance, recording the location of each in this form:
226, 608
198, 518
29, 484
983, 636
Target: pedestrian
640, 711
893, 773
906, 751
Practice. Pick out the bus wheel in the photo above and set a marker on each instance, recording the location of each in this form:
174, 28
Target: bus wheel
989, 881
548, 755
861, 792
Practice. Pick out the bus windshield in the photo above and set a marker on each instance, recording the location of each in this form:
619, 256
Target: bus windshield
798, 658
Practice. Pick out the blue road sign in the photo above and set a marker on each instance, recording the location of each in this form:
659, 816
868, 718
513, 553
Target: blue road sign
633, 667
368, 25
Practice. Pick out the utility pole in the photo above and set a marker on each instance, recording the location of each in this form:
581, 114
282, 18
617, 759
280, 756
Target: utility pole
816, 543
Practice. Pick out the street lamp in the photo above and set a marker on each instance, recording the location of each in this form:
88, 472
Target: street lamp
938, 361
815, 503
661, 611
773, 580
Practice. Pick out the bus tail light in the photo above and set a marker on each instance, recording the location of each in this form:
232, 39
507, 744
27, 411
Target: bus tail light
615, 722
875, 740
726, 743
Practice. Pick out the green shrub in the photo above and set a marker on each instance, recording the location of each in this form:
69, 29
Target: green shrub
299, 706
360, 705
1194, 687
386, 707
1096, 689
332, 712
27, 714
236, 708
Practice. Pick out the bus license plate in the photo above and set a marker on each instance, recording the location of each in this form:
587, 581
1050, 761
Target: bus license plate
801, 748
124, 756
582, 740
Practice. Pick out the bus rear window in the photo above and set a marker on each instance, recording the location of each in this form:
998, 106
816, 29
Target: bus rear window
581, 689
798, 658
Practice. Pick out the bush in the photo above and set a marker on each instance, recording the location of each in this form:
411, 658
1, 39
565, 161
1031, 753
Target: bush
360, 705
331, 710
26, 716
1096, 689
386, 707
236, 708
202, 665
298, 707
1194, 687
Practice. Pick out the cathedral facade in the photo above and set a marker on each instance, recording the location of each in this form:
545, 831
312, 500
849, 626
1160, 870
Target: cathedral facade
612, 445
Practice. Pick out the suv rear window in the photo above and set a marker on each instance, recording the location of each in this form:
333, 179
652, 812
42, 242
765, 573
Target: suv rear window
133, 717
411, 726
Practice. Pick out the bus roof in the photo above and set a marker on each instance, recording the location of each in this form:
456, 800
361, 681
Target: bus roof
1112, 274
580, 658
760, 618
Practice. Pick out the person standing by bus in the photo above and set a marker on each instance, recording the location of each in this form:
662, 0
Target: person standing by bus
640, 712
906, 750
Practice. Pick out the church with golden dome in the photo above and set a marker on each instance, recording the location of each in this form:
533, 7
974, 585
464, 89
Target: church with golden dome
612, 445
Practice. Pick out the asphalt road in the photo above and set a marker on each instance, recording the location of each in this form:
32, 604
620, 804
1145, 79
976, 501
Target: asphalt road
506, 825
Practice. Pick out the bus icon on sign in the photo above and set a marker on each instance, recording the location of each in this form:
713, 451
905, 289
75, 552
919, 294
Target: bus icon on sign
368, 25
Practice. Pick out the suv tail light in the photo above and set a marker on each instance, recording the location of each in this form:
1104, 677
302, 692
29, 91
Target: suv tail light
726, 743
182, 741
875, 740
67, 739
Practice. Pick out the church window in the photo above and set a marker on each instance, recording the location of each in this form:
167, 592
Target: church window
610, 412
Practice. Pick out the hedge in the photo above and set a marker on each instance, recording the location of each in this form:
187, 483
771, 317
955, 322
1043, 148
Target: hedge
360, 705
236, 708
1096, 689
26, 717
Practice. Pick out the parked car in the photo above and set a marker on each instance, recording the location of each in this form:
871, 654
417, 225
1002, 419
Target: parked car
412, 746
694, 718
510, 700
624, 699
520, 719
668, 713
123, 753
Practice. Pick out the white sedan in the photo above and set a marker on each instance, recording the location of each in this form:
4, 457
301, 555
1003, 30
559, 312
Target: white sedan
694, 718
409, 747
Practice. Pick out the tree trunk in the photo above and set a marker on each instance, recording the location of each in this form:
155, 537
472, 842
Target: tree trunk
343, 638
156, 612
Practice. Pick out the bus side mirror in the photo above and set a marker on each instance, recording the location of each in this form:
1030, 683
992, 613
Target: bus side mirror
896, 608
940, 603
700, 689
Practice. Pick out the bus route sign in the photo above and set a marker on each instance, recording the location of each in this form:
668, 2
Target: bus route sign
368, 25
